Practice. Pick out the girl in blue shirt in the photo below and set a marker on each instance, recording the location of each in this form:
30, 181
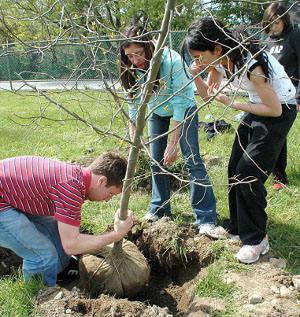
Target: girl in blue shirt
171, 107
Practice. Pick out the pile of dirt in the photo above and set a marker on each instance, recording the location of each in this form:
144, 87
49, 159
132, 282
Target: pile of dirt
65, 303
170, 247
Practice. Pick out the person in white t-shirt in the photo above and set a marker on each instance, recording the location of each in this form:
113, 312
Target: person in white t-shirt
263, 129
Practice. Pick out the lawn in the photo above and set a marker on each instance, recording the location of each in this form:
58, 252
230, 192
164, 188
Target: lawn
31, 125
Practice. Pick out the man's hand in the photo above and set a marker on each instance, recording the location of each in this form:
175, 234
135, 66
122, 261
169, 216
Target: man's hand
170, 155
298, 107
121, 227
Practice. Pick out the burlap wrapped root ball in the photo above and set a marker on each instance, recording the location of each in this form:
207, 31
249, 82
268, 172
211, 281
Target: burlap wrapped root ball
122, 274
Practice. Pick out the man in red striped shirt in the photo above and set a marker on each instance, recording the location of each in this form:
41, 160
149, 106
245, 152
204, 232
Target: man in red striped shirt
40, 209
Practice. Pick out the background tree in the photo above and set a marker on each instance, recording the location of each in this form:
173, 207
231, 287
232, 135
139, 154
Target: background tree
42, 20
244, 12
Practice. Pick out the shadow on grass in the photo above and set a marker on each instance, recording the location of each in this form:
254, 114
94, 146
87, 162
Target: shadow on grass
285, 242
294, 177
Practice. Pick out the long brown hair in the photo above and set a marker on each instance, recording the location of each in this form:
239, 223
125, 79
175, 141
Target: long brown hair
275, 10
138, 35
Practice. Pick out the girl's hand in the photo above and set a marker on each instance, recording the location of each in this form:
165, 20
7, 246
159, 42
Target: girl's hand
170, 155
195, 69
213, 90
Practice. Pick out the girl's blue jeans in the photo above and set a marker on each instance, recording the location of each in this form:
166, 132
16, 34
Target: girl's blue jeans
36, 240
203, 200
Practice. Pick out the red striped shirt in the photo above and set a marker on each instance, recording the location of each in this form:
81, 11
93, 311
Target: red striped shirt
44, 187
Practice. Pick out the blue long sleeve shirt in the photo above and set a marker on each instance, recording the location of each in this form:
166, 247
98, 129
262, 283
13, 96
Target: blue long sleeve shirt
172, 79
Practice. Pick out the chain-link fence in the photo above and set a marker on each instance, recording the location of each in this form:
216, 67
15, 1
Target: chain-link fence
93, 59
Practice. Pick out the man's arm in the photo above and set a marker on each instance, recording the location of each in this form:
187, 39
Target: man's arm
75, 242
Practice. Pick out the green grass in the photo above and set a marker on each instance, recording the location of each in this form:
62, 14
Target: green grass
224, 259
57, 135
16, 296
213, 284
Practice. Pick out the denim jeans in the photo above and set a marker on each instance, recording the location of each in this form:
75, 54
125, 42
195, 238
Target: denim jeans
202, 196
36, 240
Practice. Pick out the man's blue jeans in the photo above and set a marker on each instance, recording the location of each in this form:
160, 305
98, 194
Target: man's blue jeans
36, 240
202, 196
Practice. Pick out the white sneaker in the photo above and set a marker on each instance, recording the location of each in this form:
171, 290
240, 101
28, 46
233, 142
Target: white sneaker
251, 253
150, 217
213, 231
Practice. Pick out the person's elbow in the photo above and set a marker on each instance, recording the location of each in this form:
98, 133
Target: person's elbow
69, 247
69, 237
276, 112
70, 243
274, 109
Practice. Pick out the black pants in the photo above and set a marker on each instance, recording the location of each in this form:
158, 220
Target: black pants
255, 151
280, 166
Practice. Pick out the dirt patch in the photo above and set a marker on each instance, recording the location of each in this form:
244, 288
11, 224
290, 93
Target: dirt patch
9, 261
179, 258
72, 303
264, 291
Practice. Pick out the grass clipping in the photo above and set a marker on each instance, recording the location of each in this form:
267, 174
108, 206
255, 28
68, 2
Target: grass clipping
122, 274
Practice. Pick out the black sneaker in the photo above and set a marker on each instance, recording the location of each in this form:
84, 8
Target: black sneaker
70, 273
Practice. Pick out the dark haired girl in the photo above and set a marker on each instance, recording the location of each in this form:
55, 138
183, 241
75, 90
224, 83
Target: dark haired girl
168, 107
262, 131
284, 45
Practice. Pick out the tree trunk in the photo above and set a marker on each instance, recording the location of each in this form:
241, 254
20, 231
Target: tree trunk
140, 122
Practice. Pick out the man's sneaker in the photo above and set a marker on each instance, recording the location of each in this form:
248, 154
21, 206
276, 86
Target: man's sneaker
213, 231
70, 273
278, 186
251, 253
150, 217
